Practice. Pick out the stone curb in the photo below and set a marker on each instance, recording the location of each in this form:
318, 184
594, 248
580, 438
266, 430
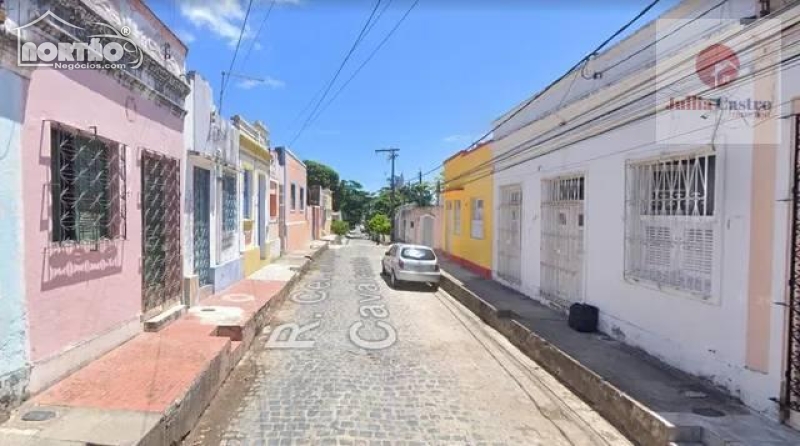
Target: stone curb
181, 418
635, 420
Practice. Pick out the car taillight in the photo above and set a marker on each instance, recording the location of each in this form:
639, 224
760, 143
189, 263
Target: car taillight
401, 264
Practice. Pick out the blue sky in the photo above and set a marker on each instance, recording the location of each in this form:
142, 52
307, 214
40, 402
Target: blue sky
449, 70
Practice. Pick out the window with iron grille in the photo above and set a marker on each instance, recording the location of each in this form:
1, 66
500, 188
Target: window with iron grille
302, 198
88, 187
476, 220
671, 225
293, 196
457, 217
247, 187
228, 203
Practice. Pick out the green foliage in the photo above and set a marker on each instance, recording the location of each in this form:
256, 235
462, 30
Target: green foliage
352, 200
340, 227
319, 174
379, 224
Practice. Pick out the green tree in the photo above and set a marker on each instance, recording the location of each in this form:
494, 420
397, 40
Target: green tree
353, 201
319, 174
379, 224
340, 227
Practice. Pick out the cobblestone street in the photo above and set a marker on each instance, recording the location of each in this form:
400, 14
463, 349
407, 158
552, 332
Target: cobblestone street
348, 360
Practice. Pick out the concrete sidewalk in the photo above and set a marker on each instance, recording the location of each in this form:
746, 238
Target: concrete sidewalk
153, 389
651, 402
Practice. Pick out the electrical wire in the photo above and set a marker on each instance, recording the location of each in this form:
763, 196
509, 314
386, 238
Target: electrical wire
366, 61
645, 85
328, 87
235, 51
577, 65
789, 62
258, 33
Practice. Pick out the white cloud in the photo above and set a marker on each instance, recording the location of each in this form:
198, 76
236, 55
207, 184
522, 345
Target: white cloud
224, 17
269, 82
186, 36
221, 17
456, 138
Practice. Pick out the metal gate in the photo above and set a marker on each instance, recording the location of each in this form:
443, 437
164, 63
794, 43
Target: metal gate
562, 240
509, 251
161, 248
792, 385
202, 225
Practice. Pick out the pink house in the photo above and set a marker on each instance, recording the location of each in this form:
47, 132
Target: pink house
101, 186
296, 231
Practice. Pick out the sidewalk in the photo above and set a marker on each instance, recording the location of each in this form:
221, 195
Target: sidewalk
651, 402
153, 389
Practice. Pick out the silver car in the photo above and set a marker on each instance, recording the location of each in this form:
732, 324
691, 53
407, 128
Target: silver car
411, 263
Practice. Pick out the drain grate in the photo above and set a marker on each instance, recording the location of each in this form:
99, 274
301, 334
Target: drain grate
708, 412
38, 415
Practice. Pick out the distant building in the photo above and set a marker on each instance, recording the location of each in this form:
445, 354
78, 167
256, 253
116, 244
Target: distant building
212, 260
296, 228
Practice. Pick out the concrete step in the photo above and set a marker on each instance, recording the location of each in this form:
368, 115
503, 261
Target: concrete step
167, 317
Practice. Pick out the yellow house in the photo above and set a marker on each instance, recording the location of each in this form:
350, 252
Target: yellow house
254, 162
468, 204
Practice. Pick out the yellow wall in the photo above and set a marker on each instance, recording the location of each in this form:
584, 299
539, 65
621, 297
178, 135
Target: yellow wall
475, 185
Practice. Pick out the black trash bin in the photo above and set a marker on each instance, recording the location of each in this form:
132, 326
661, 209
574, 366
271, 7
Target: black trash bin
583, 318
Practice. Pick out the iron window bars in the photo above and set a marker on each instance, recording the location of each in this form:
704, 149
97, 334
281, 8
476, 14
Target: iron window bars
228, 210
670, 222
88, 187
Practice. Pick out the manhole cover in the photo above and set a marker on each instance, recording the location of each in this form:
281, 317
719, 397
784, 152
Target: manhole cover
38, 415
708, 412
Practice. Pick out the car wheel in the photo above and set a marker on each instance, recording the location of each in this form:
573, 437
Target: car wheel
435, 287
393, 280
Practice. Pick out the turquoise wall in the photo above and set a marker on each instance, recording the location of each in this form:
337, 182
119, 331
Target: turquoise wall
13, 329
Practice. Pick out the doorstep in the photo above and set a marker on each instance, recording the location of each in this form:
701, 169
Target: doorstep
152, 389
651, 402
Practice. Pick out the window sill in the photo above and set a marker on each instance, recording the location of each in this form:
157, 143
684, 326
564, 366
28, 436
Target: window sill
671, 290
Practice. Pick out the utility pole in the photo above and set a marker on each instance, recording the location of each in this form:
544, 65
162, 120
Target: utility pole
392, 156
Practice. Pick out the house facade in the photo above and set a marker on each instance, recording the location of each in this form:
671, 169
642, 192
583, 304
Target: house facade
419, 225
296, 232
656, 183
212, 260
254, 161
467, 226
96, 194
14, 353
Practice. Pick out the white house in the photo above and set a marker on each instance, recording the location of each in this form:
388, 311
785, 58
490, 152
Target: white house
656, 183
212, 260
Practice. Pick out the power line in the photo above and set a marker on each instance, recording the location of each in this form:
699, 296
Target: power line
789, 62
525, 105
258, 33
328, 87
366, 61
235, 53
645, 86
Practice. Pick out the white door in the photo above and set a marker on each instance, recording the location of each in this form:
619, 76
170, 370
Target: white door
509, 251
427, 230
562, 240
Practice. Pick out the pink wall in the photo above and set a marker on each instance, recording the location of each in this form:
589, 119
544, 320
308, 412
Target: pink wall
75, 294
298, 223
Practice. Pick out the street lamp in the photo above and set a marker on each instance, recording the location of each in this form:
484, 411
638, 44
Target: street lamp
229, 75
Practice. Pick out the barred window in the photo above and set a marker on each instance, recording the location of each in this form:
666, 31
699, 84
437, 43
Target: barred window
88, 187
247, 204
293, 196
302, 198
228, 202
670, 224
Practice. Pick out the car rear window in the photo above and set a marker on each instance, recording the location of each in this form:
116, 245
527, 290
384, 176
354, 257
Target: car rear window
418, 254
